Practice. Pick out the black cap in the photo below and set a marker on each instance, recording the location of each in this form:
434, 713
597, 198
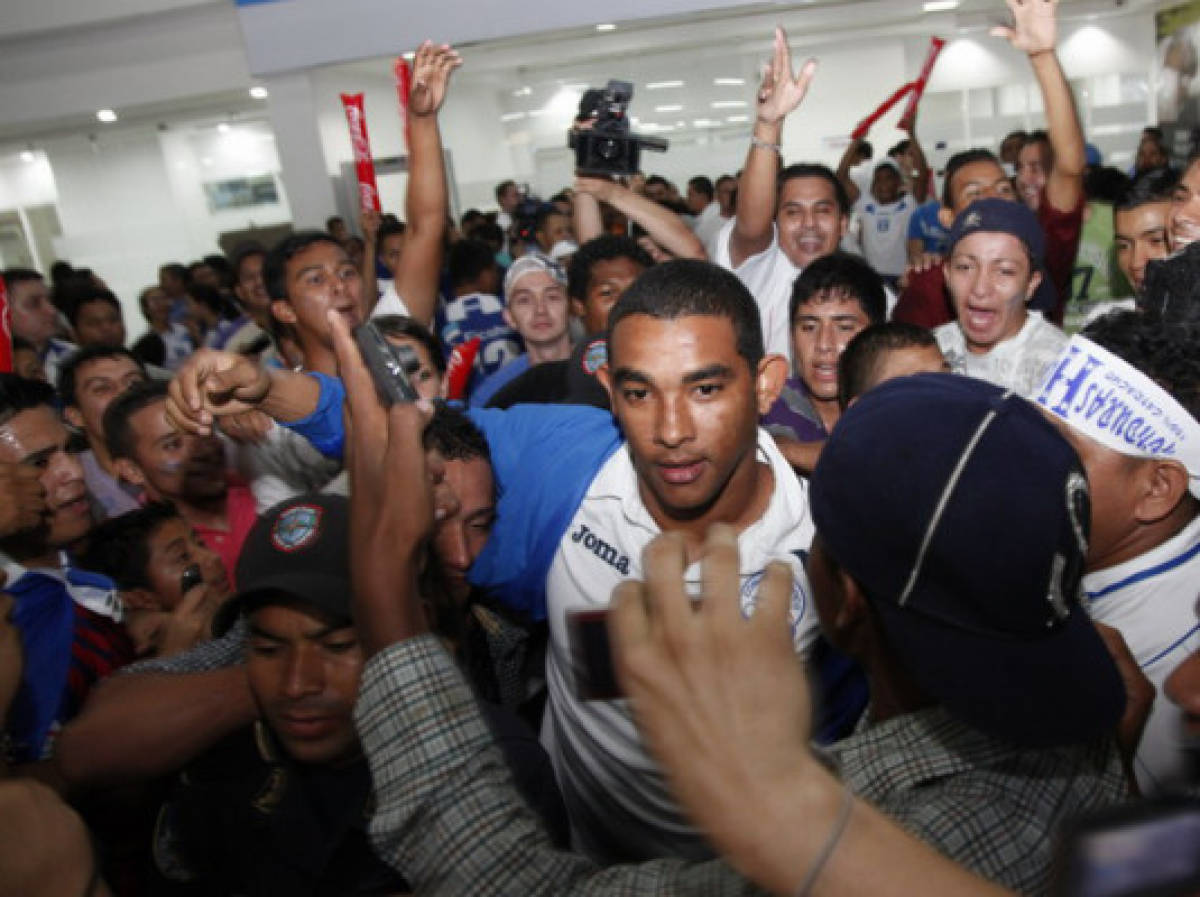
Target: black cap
299, 550
964, 515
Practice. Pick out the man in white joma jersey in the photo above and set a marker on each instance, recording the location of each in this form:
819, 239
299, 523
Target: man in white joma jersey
1140, 445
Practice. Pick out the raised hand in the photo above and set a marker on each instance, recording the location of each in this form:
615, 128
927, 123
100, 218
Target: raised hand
1034, 28
780, 91
431, 74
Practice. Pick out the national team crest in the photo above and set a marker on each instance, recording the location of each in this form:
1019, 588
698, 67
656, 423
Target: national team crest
297, 527
594, 356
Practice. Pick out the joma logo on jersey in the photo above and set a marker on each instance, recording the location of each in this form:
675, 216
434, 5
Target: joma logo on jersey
601, 549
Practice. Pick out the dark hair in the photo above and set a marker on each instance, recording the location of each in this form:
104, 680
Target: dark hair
469, 218
543, 215
866, 150
119, 547
703, 185
685, 287
14, 276
1170, 292
723, 178
207, 296
900, 147
822, 172
454, 435
88, 296
1153, 131
1169, 354
489, 232
240, 253
223, 269
275, 264
658, 181
467, 260
332, 220
1103, 183
402, 325
118, 434
60, 271
176, 270
840, 275
858, 366
143, 296
1041, 138
503, 186
389, 227
1150, 186
957, 161
68, 371
601, 249
18, 394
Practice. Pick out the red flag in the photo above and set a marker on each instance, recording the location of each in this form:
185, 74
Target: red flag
361, 144
403, 73
910, 111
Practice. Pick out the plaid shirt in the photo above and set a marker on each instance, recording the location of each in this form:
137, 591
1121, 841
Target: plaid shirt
448, 817
450, 821
987, 804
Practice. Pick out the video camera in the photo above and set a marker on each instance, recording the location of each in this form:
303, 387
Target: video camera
608, 146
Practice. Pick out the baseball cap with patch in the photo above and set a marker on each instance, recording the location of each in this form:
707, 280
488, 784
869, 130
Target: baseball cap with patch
963, 514
1000, 216
298, 551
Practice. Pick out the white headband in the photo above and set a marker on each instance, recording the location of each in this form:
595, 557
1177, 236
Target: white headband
1109, 400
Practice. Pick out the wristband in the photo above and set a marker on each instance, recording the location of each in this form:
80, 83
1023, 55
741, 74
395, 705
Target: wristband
762, 144
835, 835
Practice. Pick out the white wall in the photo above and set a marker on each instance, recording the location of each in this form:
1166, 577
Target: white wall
24, 184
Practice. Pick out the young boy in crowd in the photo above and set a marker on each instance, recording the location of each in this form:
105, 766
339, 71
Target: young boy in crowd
171, 583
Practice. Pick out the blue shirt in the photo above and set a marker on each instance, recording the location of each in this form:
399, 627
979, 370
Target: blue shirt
498, 381
924, 226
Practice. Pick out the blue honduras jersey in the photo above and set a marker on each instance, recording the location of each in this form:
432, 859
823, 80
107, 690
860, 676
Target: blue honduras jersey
480, 315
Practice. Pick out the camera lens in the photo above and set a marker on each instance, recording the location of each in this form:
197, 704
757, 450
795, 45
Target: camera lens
608, 149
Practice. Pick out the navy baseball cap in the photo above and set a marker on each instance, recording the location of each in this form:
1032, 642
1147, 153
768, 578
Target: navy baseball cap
964, 516
1001, 216
298, 552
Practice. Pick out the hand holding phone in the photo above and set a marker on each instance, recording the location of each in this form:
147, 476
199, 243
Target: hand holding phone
387, 364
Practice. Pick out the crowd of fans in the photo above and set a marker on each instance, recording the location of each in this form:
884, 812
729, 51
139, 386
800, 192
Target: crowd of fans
901, 577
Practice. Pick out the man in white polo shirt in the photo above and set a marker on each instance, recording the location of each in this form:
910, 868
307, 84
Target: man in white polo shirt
767, 248
1127, 400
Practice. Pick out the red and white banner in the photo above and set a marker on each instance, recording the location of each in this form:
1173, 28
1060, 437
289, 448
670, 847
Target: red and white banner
364, 164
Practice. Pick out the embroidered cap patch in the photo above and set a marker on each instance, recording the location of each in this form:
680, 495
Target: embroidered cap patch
297, 527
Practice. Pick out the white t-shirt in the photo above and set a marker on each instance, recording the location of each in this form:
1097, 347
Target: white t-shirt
769, 277
1016, 363
708, 224
618, 801
884, 232
1152, 600
390, 303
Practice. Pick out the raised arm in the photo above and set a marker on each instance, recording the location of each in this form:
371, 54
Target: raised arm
427, 203
778, 95
843, 170
370, 281
213, 384
1035, 31
586, 216
920, 167
662, 225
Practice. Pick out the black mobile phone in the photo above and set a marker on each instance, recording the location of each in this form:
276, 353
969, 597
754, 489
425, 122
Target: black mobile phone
591, 656
389, 366
191, 578
1147, 849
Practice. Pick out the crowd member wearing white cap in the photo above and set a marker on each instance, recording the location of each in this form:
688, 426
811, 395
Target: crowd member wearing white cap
535, 306
1127, 400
